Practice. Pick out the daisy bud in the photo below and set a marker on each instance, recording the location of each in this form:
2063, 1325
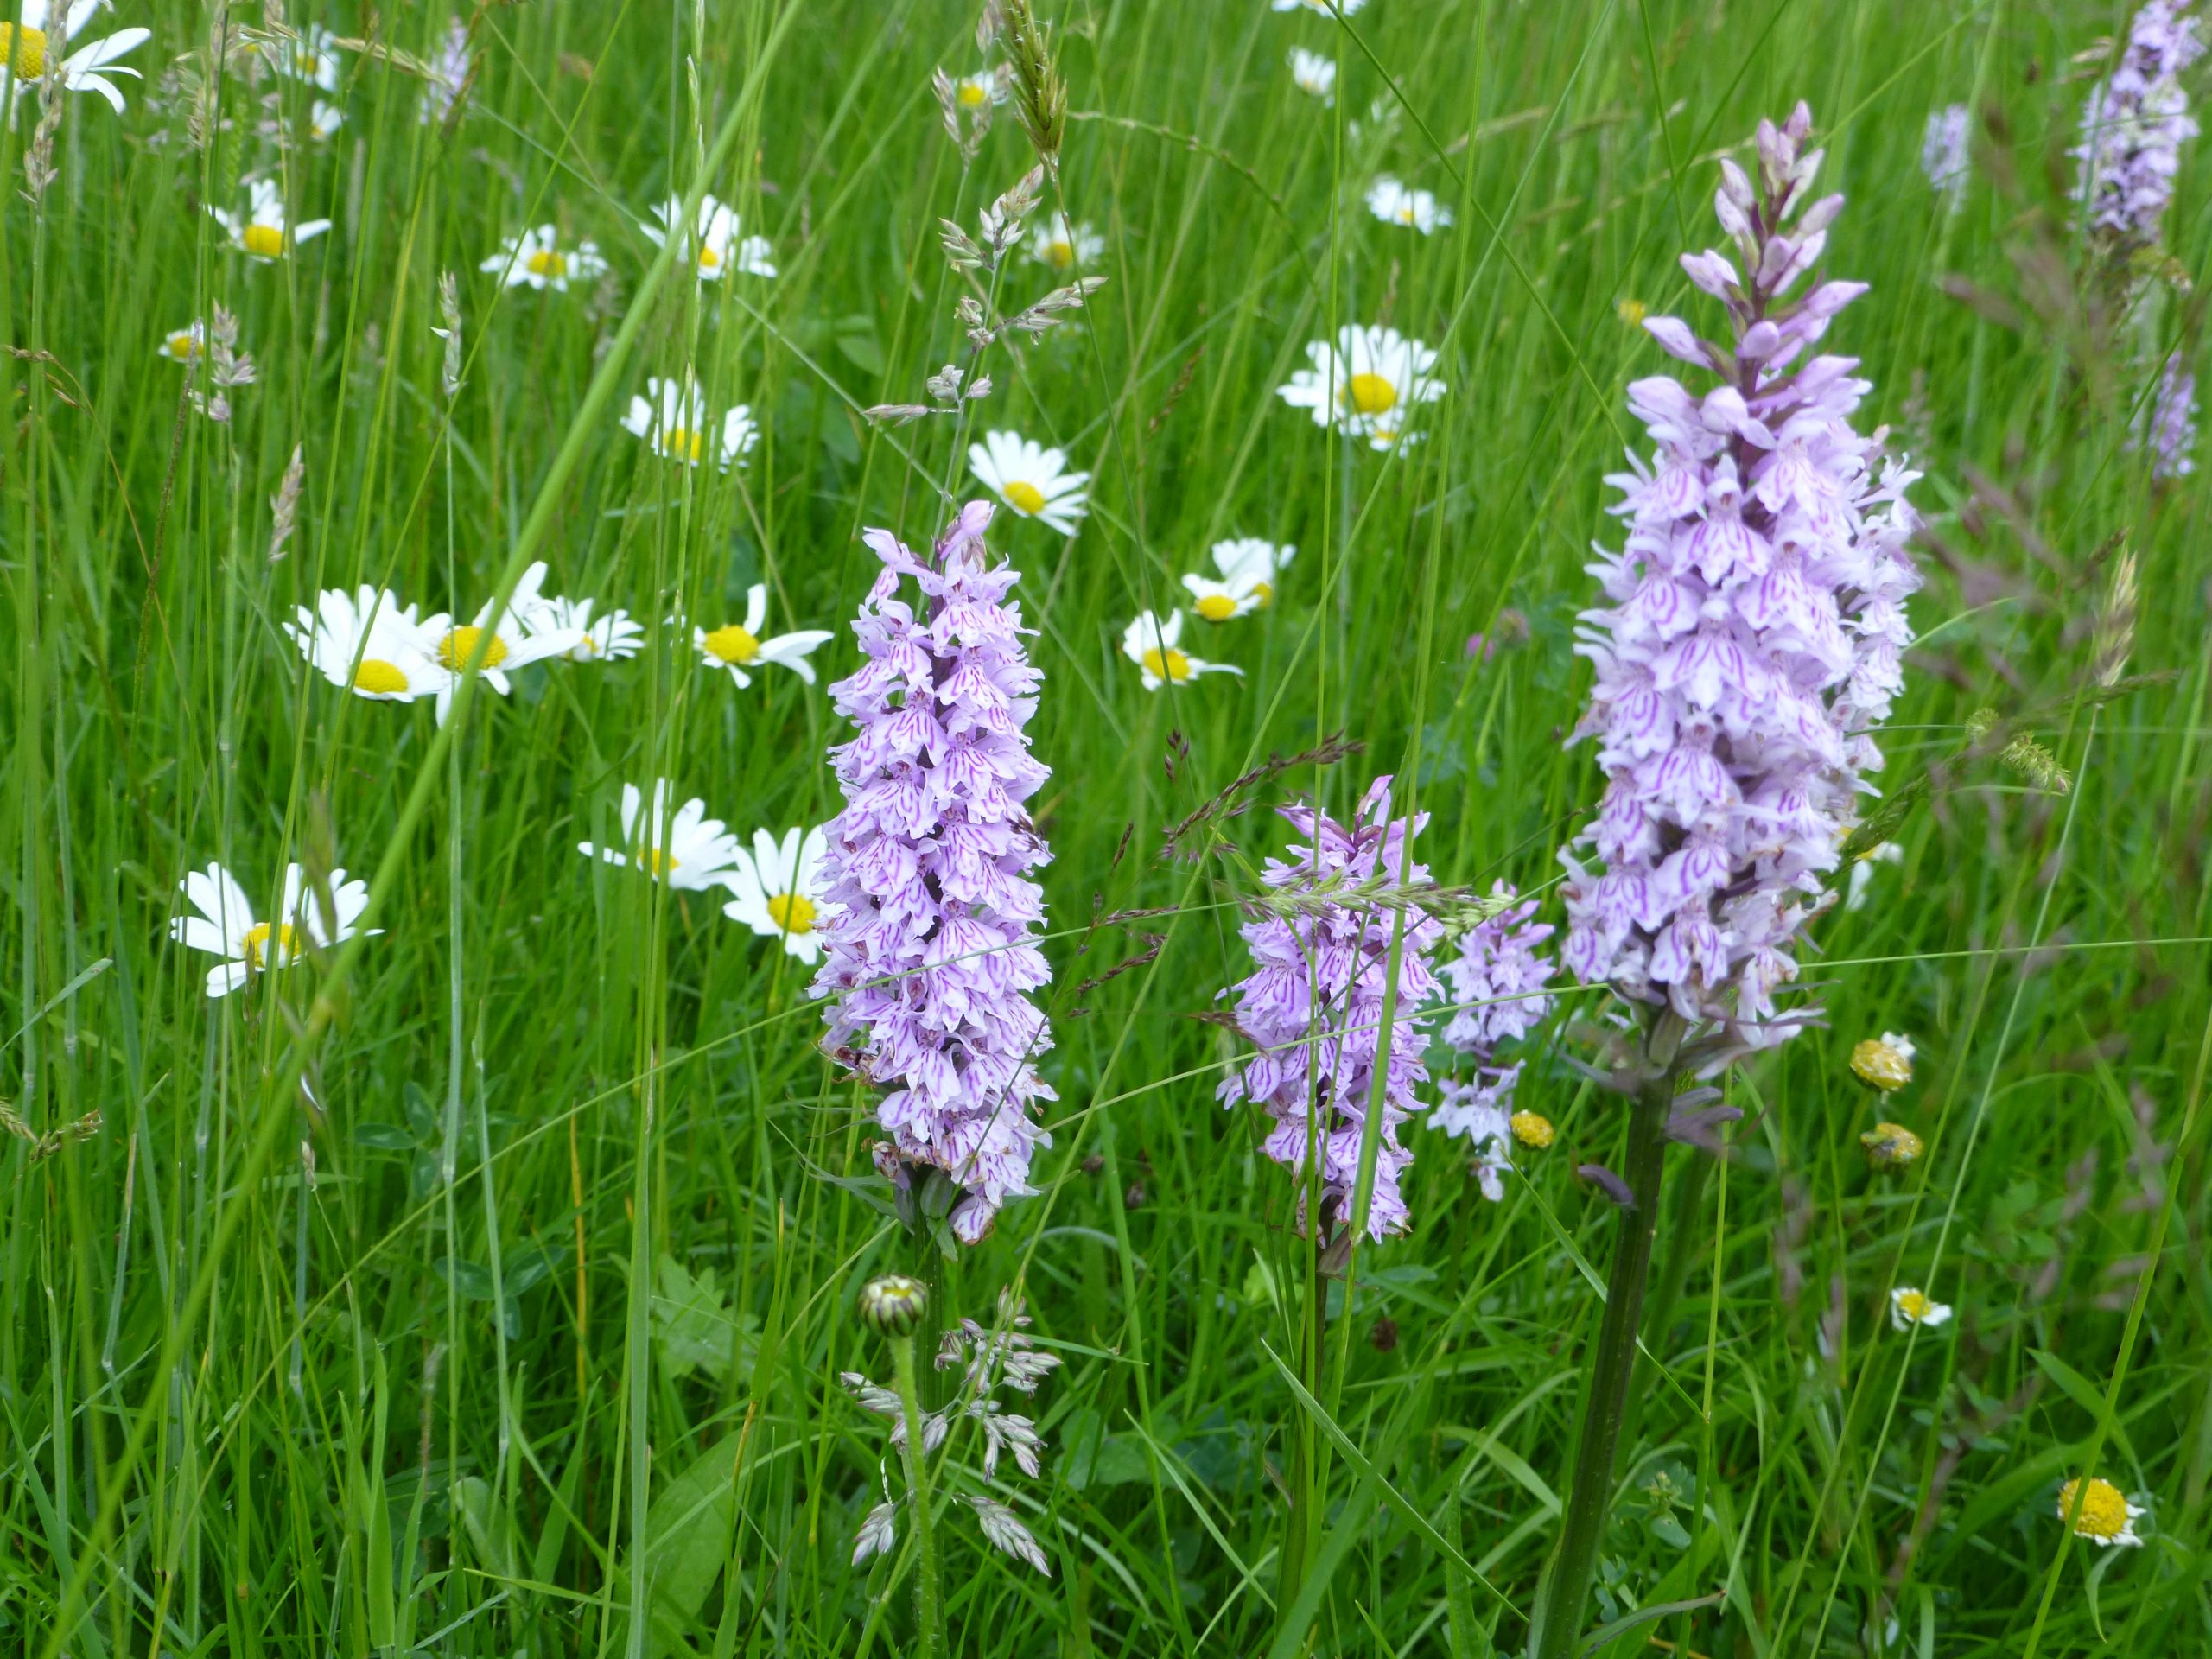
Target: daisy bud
1890, 1146
894, 1304
1884, 1062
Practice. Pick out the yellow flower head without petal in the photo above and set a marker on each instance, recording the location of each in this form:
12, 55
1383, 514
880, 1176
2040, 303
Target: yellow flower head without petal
1632, 312
2106, 1516
1890, 1146
1532, 1129
1884, 1062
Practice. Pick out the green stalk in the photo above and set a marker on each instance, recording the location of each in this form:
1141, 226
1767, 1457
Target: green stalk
1590, 1501
929, 1605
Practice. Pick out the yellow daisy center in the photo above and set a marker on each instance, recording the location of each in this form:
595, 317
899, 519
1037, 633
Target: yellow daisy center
733, 644
24, 49
457, 648
1060, 254
1891, 1143
653, 861
1371, 394
1877, 1063
1406, 214
547, 262
972, 95
792, 911
1632, 312
1532, 1129
2104, 1511
256, 944
1914, 1304
1217, 607
1024, 497
380, 678
1174, 666
263, 241
709, 260
179, 344
684, 444
1265, 592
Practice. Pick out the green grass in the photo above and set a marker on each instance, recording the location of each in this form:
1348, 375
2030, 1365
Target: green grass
415, 1404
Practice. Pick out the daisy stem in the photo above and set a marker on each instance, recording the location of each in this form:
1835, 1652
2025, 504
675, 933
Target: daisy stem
929, 1615
1613, 1364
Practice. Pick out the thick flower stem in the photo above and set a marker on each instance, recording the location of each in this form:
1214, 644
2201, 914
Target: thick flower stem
1590, 1501
929, 1606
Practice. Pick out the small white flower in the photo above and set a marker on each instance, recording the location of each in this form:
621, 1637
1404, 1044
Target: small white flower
1313, 73
536, 257
1062, 246
324, 120
1032, 480
1150, 643
1249, 567
184, 344
261, 233
716, 244
684, 847
226, 926
25, 42
1396, 204
607, 639
778, 890
521, 635
738, 647
312, 57
1862, 872
673, 420
985, 86
1908, 1307
1326, 7
1367, 385
370, 645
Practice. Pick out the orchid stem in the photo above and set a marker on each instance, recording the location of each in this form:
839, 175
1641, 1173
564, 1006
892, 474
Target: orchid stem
1590, 1501
928, 1607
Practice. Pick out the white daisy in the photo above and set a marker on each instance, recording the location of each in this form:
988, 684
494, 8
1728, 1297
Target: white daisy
25, 42
521, 634
1249, 567
715, 245
537, 257
683, 847
1367, 384
184, 344
226, 926
1032, 480
1150, 643
672, 418
607, 639
1908, 1307
779, 888
1062, 246
1397, 204
738, 646
370, 643
324, 120
2106, 1517
1314, 74
313, 56
985, 86
260, 233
